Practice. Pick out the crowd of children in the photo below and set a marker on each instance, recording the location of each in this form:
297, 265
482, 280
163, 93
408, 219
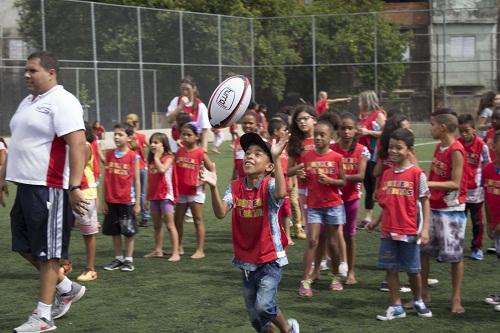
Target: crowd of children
299, 175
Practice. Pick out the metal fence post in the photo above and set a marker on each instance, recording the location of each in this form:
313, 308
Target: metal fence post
119, 94
219, 46
313, 31
445, 97
181, 42
375, 54
141, 67
96, 71
77, 81
252, 59
155, 92
44, 36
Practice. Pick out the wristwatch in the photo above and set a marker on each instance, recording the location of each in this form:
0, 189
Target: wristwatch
73, 187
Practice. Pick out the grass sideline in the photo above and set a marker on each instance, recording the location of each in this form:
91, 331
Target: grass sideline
205, 295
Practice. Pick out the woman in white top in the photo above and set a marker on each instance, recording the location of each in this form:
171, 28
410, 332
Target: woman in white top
189, 102
488, 102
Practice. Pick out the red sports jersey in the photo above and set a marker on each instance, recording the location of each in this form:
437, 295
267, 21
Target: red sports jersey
97, 165
308, 145
321, 107
239, 155
119, 177
491, 183
141, 142
441, 171
473, 151
161, 186
398, 196
187, 170
489, 142
252, 235
366, 140
350, 160
322, 195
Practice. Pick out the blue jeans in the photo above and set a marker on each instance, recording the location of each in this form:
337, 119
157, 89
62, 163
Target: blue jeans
144, 212
259, 289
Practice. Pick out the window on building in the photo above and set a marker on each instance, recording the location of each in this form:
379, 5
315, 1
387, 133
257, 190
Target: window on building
18, 49
462, 47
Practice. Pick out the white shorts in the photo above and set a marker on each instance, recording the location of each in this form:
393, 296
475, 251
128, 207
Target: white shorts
198, 198
88, 223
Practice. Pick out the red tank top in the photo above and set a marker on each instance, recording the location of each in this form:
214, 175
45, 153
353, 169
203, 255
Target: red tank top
161, 186
473, 151
398, 195
441, 171
368, 140
141, 142
252, 234
350, 160
322, 195
187, 169
119, 177
491, 181
489, 142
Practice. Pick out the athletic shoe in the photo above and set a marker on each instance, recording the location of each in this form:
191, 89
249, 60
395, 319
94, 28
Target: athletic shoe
362, 224
115, 264
404, 289
324, 266
497, 308
431, 282
493, 299
295, 325
343, 268
476, 254
87, 275
422, 310
305, 289
491, 250
336, 285
36, 324
62, 302
127, 266
392, 312
384, 286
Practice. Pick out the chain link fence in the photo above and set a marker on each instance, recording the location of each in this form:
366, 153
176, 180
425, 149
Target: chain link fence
122, 59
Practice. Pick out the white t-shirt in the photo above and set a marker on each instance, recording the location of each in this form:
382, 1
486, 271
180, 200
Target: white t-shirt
37, 151
203, 121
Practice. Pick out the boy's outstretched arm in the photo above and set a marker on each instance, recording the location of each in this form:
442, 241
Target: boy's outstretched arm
276, 150
219, 206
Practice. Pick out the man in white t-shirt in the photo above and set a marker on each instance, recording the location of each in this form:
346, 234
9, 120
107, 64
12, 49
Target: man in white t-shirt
46, 160
189, 102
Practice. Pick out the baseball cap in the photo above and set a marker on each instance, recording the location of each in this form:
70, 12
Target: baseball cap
249, 139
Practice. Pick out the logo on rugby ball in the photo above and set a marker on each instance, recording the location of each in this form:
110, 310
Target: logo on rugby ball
225, 98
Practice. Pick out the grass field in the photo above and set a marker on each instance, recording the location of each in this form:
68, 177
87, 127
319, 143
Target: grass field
205, 295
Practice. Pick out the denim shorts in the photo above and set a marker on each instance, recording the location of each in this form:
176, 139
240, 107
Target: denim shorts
331, 215
259, 290
398, 255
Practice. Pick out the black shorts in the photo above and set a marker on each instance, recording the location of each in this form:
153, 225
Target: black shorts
41, 221
111, 225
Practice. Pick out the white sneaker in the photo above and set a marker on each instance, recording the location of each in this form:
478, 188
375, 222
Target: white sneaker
36, 324
497, 308
324, 265
343, 268
295, 325
62, 302
432, 282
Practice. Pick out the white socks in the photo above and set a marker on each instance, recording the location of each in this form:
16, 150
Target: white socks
64, 286
44, 310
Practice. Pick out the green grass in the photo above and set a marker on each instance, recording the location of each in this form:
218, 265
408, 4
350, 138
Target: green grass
205, 296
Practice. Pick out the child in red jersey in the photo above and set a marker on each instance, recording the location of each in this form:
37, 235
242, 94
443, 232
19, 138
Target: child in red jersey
122, 191
301, 140
233, 129
188, 161
324, 174
491, 184
448, 187
495, 126
477, 157
259, 241
278, 130
354, 159
249, 124
161, 194
140, 139
404, 198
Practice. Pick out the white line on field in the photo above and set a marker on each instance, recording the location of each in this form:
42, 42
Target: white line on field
426, 143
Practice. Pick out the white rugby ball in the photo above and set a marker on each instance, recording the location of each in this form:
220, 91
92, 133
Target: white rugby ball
229, 101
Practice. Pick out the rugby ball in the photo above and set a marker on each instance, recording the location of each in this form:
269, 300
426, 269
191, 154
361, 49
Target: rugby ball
229, 101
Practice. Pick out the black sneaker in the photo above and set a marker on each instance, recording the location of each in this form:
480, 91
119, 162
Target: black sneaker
127, 266
115, 264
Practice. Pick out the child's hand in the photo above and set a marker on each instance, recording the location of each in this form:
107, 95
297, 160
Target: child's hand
371, 226
184, 100
278, 146
159, 151
209, 177
105, 209
137, 208
301, 172
424, 237
324, 179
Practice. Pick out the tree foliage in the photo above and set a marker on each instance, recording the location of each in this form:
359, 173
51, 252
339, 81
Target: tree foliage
340, 40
